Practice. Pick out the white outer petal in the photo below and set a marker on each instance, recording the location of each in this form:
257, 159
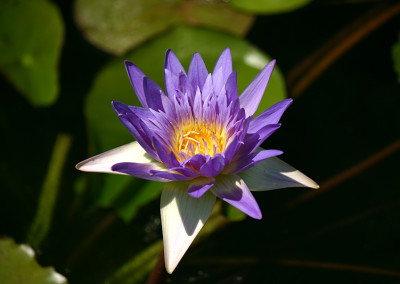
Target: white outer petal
273, 173
182, 217
132, 152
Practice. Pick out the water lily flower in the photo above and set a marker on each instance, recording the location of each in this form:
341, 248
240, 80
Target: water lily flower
203, 141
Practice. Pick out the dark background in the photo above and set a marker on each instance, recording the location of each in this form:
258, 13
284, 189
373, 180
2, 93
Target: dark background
349, 232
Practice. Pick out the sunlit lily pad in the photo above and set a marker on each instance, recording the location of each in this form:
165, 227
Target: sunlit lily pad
269, 6
31, 37
112, 83
17, 265
118, 26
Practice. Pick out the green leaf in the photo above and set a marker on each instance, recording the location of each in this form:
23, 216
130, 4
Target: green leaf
17, 265
48, 195
118, 27
396, 58
269, 6
128, 207
232, 213
127, 194
31, 37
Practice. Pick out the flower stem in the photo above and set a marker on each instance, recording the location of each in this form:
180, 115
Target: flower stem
158, 273
306, 72
338, 266
347, 174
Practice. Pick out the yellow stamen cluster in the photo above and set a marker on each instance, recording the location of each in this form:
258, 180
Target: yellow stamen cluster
199, 138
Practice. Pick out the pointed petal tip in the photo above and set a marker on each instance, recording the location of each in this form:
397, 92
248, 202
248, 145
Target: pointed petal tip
182, 217
170, 265
227, 50
272, 62
128, 63
313, 184
257, 216
78, 166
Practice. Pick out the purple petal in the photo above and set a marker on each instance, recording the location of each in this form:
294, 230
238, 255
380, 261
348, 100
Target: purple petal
165, 157
197, 73
252, 141
169, 176
138, 170
196, 161
120, 108
185, 86
251, 96
134, 128
173, 64
186, 172
271, 115
199, 186
171, 82
250, 161
153, 94
231, 150
231, 87
136, 77
222, 69
233, 190
207, 88
213, 167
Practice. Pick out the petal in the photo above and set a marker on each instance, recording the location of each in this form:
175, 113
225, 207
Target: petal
187, 172
232, 189
251, 96
102, 163
169, 158
136, 77
231, 87
169, 175
269, 116
141, 170
273, 173
182, 217
254, 140
213, 166
173, 64
199, 186
197, 161
132, 123
231, 150
222, 69
250, 161
197, 73
153, 94
171, 82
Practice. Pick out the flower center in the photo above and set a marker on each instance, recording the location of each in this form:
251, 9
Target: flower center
199, 138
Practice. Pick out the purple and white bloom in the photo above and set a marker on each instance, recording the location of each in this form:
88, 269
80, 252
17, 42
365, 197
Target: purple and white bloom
203, 141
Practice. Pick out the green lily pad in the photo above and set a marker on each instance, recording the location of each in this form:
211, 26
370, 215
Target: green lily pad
112, 83
396, 58
118, 26
31, 37
269, 6
17, 265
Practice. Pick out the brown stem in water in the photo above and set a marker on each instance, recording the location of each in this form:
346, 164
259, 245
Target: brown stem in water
306, 72
347, 174
338, 266
91, 239
158, 273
